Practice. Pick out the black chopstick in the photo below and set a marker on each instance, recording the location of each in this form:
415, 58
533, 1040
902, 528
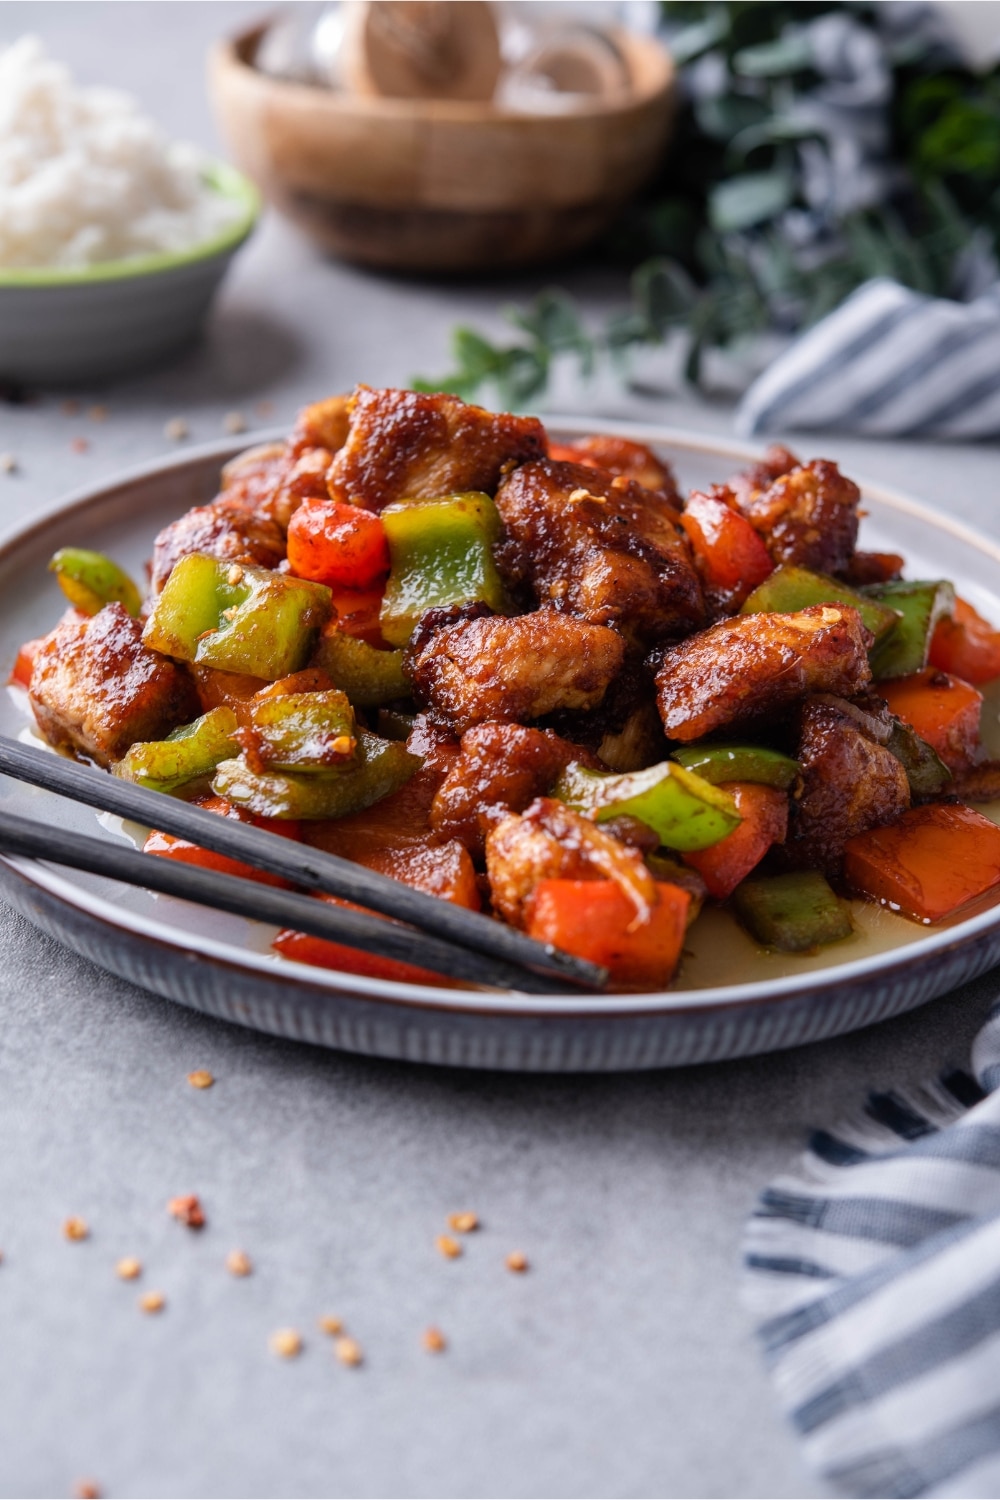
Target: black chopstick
263, 903
311, 868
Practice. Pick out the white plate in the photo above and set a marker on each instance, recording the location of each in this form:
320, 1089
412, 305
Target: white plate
731, 999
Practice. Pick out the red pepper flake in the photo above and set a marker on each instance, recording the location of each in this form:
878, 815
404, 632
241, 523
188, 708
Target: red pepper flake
76, 1229
80, 445
517, 1261
87, 1489
434, 1341
187, 1210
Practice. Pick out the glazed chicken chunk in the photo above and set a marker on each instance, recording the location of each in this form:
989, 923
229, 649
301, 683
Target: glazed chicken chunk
225, 529
851, 782
405, 446
808, 517
96, 688
552, 842
751, 665
513, 669
500, 769
601, 547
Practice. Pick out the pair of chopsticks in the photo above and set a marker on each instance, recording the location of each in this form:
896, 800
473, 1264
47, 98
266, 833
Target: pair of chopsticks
439, 935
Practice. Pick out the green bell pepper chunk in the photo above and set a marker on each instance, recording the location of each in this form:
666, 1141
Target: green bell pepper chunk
920, 606
925, 770
442, 553
90, 580
237, 618
794, 913
380, 767
790, 588
682, 809
184, 758
368, 676
304, 732
717, 763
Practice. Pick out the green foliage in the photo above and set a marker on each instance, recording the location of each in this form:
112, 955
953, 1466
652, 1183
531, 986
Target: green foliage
708, 247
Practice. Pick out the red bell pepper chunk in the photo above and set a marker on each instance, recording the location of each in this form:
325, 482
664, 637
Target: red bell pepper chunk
357, 612
967, 645
764, 810
944, 710
730, 555
337, 544
932, 862
595, 920
321, 953
170, 847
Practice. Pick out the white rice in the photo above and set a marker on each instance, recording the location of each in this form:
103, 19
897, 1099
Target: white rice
85, 178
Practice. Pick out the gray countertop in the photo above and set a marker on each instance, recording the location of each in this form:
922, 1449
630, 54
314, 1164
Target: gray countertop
622, 1363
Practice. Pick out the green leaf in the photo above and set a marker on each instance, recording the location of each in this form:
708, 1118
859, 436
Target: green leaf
727, 115
694, 40
789, 54
741, 202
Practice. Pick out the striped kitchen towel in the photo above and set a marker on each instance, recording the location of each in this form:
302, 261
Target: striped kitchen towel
876, 1270
889, 362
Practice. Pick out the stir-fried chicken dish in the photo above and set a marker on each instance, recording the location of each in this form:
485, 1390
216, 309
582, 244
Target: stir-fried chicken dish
537, 680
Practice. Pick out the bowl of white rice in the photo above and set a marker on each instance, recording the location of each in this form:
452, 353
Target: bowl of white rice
113, 239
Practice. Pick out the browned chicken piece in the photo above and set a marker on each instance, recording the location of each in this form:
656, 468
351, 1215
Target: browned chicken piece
512, 670
501, 768
434, 743
850, 783
873, 567
977, 783
96, 688
272, 481
551, 842
599, 547
405, 446
618, 455
225, 530
624, 731
777, 460
808, 517
752, 665
324, 424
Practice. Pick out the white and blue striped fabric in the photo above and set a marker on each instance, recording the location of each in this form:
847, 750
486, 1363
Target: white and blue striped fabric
876, 1272
888, 362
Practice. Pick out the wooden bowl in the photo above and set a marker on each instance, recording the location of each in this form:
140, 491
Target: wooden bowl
432, 185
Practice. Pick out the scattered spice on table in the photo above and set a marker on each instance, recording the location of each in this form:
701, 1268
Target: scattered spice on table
176, 430
201, 1078
128, 1268
98, 413
187, 1210
8, 463
80, 445
517, 1261
238, 1263
287, 1343
348, 1350
86, 1489
463, 1223
234, 421
152, 1302
70, 408
264, 408
332, 1326
448, 1247
76, 1229
434, 1341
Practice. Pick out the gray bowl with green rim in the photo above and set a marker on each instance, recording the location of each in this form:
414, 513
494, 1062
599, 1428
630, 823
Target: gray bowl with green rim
69, 326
